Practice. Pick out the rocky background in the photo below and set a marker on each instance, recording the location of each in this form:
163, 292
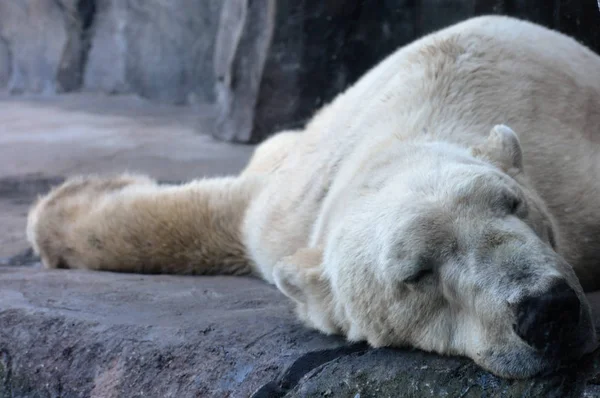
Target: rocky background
264, 65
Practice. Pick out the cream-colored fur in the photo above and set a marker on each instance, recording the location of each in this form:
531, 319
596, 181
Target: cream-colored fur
406, 213
131, 224
269, 155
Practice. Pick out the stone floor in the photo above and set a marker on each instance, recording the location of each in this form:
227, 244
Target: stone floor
66, 333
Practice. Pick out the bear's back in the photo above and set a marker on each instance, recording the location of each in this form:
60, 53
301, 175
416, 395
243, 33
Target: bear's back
455, 85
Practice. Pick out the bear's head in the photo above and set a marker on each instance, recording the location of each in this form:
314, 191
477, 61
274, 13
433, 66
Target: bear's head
451, 251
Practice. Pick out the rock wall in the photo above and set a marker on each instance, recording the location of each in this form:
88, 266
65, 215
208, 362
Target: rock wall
162, 50
41, 45
266, 64
158, 49
319, 48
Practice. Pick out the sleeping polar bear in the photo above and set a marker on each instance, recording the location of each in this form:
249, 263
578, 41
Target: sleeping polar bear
406, 213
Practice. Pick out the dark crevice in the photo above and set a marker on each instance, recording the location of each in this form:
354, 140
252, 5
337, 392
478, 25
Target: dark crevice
292, 375
27, 187
86, 9
6, 372
86, 13
5, 80
78, 22
25, 258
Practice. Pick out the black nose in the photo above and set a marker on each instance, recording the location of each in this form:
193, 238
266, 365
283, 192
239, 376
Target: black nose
548, 322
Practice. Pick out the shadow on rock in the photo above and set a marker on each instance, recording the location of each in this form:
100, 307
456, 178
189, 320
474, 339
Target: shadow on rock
389, 372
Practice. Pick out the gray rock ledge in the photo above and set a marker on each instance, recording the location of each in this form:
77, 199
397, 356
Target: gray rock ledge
68, 333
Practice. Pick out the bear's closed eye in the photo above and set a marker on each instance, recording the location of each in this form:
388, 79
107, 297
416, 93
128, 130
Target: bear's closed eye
418, 276
514, 205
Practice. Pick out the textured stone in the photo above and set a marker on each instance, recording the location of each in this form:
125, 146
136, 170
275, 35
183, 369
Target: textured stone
161, 50
279, 61
43, 43
242, 45
337, 42
318, 50
5, 66
389, 373
96, 334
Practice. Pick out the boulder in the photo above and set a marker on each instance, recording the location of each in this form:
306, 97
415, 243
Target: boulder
390, 373
75, 333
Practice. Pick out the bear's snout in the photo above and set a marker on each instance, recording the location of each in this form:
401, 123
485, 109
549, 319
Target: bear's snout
549, 321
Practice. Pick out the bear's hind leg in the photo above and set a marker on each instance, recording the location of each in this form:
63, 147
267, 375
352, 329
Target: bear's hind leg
129, 223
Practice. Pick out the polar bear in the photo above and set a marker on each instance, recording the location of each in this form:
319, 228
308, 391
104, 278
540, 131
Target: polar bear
446, 201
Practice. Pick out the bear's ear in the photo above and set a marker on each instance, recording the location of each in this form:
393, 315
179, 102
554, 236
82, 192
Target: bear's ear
501, 148
300, 276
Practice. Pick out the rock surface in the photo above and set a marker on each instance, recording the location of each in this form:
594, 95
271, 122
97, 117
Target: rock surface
158, 49
316, 49
77, 333
96, 334
391, 373
41, 45
243, 40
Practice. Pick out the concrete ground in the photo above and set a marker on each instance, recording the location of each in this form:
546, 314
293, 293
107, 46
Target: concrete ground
45, 139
